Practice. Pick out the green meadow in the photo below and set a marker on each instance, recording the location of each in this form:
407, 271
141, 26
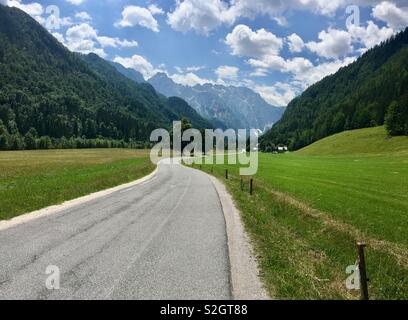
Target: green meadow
309, 208
31, 180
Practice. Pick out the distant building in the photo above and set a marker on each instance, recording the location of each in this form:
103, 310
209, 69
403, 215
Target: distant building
282, 148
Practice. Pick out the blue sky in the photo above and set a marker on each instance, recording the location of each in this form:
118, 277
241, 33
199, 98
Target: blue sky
276, 48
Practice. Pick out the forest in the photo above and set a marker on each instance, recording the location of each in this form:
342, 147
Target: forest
52, 98
370, 92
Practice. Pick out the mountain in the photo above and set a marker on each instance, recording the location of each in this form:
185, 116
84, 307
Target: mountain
173, 109
229, 107
129, 73
357, 96
48, 91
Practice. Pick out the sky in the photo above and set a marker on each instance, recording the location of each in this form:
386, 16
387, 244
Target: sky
276, 47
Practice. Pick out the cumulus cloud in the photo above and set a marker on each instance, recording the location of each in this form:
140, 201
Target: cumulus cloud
245, 42
277, 63
34, 9
189, 79
259, 72
396, 18
139, 64
83, 16
200, 16
295, 43
279, 94
206, 16
333, 44
116, 42
76, 2
317, 72
84, 38
227, 72
370, 35
154, 9
137, 16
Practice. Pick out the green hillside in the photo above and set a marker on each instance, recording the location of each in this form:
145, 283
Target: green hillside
357, 96
360, 141
47, 91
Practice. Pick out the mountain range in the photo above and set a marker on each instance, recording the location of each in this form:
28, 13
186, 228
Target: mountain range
226, 106
49, 91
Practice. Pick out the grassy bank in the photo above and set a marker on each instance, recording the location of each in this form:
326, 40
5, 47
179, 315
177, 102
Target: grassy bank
31, 180
307, 212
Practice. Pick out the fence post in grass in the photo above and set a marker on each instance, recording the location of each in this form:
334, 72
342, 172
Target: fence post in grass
251, 183
242, 184
226, 174
362, 270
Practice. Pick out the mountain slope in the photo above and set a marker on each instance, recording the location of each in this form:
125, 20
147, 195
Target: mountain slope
358, 142
235, 107
357, 96
129, 73
56, 93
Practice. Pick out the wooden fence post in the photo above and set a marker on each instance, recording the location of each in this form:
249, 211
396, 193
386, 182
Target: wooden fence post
362, 270
251, 187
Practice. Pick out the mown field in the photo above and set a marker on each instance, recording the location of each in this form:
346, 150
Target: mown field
31, 180
310, 207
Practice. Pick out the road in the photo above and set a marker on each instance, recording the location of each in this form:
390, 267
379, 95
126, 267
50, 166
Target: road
163, 239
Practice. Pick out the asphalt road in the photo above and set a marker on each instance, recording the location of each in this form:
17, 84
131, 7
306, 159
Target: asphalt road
163, 239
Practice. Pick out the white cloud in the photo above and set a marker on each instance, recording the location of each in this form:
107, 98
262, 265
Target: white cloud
227, 72
138, 16
371, 35
34, 9
205, 16
81, 31
259, 72
195, 68
245, 42
318, 72
200, 16
76, 2
189, 69
83, 16
154, 9
277, 63
250, 8
189, 79
396, 18
333, 44
139, 64
82, 38
116, 42
280, 94
295, 43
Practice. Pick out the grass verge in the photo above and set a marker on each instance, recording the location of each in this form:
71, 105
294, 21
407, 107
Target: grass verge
307, 213
31, 180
